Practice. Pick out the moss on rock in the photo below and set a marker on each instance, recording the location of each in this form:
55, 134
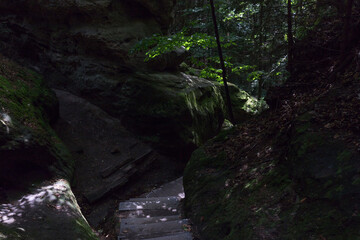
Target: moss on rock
177, 110
310, 191
243, 105
49, 212
29, 144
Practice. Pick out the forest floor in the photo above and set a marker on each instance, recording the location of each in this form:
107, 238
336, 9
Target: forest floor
326, 85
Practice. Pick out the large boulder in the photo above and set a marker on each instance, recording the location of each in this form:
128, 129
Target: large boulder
29, 147
176, 112
33, 202
49, 212
243, 104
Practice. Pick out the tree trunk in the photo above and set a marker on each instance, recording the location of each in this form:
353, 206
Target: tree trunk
261, 42
290, 38
228, 101
347, 29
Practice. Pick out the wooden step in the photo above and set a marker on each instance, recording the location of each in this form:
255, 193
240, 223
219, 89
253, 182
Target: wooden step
174, 188
153, 230
179, 236
148, 213
165, 203
166, 198
145, 220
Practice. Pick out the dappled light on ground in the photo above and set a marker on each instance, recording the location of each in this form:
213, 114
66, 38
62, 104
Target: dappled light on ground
41, 214
54, 196
5, 120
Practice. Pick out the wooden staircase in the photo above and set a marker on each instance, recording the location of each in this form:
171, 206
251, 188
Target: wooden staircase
155, 216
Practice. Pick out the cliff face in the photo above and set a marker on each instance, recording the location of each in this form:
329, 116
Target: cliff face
32, 160
83, 47
79, 39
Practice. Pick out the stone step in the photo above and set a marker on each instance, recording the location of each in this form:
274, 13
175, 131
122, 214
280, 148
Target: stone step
179, 236
153, 230
146, 220
165, 203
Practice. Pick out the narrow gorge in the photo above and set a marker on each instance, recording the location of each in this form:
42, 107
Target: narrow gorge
101, 140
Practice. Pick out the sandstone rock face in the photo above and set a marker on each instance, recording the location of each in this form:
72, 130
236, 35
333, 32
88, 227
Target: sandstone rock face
83, 47
243, 105
49, 212
174, 111
32, 203
28, 146
79, 43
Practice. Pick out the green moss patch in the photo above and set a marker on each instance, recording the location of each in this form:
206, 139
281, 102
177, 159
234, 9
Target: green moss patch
309, 189
27, 106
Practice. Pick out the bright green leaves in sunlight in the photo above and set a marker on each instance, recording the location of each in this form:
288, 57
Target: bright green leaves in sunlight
158, 45
212, 73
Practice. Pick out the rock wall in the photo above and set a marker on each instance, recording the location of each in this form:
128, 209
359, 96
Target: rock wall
29, 148
79, 43
83, 47
33, 202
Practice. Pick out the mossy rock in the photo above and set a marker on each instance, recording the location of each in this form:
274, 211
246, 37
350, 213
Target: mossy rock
29, 150
205, 179
243, 104
49, 212
311, 191
175, 111
178, 112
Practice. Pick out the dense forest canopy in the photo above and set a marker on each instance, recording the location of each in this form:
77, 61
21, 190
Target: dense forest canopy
257, 37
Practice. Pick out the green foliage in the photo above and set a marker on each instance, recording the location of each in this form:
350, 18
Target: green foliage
158, 45
212, 73
253, 37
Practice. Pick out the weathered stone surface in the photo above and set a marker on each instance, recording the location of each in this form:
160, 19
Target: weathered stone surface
162, 10
243, 105
80, 42
173, 111
50, 212
83, 46
32, 156
85, 126
168, 61
29, 149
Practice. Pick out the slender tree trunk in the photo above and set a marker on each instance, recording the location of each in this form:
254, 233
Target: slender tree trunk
228, 101
261, 42
290, 38
347, 24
